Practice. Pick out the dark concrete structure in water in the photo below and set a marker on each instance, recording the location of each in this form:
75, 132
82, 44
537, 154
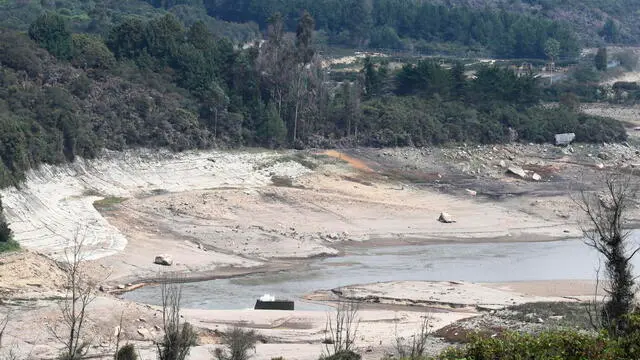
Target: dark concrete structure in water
274, 305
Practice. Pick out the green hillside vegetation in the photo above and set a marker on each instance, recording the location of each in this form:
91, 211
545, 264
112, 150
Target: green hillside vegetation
405, 24
98, 16
156, 83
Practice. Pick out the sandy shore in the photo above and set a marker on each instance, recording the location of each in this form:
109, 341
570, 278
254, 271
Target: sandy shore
220, 214
214, 211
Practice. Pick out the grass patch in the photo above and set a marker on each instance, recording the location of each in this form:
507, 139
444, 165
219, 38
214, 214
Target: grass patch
156, 192
108, 202
9, 246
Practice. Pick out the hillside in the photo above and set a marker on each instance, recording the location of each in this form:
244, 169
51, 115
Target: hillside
591, 20
490, 27
158, 83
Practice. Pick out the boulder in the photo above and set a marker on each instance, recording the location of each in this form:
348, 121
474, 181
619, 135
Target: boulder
445, 218
565, 139
144, 333
536, 177
518, 171
165, 260
503, 164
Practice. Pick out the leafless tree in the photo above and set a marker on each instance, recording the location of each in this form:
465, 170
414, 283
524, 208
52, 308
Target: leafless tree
178, 337
3, 326
415, 347
118, 336
606, 212
342, 328
81, 293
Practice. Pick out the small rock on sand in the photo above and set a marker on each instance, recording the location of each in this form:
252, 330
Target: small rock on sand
446, 218
165, 260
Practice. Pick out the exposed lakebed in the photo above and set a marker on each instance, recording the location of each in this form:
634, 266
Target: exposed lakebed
473, 262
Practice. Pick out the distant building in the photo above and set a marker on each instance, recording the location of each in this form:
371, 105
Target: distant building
613, 64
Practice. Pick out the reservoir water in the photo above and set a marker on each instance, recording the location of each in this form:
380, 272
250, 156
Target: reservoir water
477, 262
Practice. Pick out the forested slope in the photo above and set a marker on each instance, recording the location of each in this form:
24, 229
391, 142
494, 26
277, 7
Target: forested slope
157, 83
503, 28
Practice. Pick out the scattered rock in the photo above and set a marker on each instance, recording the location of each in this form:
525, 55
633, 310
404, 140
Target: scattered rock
121, 287
536, 177
600, 166
145, 333
471, 192
165, 260
604, 156
565, 139
503, 164
518, 171
445, 218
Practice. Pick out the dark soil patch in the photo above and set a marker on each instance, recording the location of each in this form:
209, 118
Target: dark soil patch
459, 334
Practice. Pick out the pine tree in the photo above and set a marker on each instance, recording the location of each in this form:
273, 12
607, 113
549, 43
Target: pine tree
601, 59
273, 131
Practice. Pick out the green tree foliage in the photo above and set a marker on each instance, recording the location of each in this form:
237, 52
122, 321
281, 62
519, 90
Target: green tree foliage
552, 345
127, 39
273, 131
552, 49
610, 32
385, 37
155, 83
51, 31
565, 345
5, 232
601, 59
90, 52
383, 23
304, 37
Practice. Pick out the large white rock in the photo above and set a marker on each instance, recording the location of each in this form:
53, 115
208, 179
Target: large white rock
518, 171
446, 218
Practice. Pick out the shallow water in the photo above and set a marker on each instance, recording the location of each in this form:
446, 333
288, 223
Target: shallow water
486, 262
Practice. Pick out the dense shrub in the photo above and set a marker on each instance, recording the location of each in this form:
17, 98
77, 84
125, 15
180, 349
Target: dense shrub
343, 355
554, 345
51, 31
127, 352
